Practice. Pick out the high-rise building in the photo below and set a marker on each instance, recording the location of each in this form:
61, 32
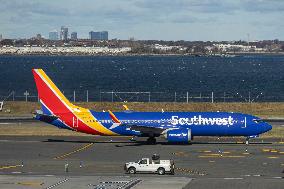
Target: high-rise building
53, 35
1, 37
38, 36
101, 35
64, 33
74, 36
104, 35
92, 35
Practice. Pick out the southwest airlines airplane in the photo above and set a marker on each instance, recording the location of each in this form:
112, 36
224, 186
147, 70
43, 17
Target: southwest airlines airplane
174, 126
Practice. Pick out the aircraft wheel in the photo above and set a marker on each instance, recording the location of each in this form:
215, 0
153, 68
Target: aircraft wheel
151, 140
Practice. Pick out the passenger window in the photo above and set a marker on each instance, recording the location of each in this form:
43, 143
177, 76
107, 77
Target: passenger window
144, 161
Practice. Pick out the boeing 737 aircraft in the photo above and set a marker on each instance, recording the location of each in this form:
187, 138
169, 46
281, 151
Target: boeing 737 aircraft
174, 126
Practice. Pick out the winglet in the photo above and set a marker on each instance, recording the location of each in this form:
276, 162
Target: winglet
113, 117
125, 107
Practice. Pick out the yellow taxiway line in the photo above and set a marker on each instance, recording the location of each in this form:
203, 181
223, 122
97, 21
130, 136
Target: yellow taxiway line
10, 166
75, 151
31, 183
273, 157
221, 156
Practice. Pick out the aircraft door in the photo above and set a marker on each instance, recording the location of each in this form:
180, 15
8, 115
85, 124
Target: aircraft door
75, 122
244, 123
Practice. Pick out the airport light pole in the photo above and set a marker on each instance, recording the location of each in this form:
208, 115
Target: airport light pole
26, 94
249, 97
187, 97
111, 96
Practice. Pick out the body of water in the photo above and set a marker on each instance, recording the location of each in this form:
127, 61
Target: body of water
261, 76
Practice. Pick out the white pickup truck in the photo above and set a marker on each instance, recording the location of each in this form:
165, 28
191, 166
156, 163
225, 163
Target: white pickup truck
147, 165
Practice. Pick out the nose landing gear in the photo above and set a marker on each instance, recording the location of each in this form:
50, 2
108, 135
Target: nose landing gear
247, 141
250, 137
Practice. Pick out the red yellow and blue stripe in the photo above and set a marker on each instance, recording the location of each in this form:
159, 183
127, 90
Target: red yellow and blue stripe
72, 116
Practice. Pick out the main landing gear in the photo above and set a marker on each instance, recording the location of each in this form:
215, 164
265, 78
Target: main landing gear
151, 140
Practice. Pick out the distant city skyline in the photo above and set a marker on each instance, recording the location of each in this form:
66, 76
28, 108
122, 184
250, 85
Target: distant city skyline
53, 35
98, 35
74, 36
146, 19
64, 33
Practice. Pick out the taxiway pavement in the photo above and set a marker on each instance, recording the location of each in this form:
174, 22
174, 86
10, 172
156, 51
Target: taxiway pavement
95, 160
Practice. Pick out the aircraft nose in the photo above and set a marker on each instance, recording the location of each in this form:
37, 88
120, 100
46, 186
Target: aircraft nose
266, 127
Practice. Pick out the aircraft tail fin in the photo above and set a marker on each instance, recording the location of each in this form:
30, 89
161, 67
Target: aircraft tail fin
51, 98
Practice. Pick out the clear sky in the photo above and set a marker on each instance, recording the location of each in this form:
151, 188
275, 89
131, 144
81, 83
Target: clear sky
146, 19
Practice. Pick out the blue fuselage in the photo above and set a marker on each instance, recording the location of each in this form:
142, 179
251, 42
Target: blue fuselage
200, 123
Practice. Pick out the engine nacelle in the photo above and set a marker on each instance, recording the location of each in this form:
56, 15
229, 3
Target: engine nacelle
179, 135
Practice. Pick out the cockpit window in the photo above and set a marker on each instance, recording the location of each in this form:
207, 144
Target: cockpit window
257, 120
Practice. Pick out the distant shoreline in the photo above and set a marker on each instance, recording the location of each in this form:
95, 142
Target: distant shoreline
228, 54
262, 109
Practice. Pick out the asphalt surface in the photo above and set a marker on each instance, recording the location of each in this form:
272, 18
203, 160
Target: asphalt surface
39, 162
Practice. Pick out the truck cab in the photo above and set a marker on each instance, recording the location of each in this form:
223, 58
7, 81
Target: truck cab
148, 165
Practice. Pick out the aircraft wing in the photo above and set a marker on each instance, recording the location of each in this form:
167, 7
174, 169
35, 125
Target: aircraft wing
146, 129
143, 129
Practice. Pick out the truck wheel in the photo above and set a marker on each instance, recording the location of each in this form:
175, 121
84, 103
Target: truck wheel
132, 170
161, 171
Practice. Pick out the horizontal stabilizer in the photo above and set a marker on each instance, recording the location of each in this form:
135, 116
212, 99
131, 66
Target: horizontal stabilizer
43, 117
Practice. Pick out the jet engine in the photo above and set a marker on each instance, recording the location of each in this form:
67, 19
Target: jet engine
178, 135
